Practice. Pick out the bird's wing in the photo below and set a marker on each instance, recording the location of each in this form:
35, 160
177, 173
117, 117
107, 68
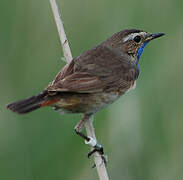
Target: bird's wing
97, 70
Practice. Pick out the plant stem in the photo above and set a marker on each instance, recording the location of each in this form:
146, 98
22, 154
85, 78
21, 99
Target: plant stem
100, 165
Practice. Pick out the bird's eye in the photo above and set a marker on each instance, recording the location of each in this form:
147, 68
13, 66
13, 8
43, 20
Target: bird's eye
137, 39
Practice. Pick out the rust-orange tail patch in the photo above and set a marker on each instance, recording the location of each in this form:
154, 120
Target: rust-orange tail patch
49, 102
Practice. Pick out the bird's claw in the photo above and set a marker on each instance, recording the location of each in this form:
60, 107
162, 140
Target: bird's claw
104, 160
97, 148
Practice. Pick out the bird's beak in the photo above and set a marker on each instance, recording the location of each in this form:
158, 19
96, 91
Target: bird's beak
154, 36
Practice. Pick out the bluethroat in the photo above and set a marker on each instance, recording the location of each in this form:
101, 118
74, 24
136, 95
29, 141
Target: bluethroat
94, 79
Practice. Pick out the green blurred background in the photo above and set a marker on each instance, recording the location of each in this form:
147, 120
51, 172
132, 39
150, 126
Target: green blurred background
142, 133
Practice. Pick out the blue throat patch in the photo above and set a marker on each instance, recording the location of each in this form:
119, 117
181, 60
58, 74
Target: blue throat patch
139, 53
140, 50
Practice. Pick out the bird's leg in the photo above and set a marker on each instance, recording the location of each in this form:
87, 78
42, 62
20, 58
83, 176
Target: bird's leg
78, 128
88, 140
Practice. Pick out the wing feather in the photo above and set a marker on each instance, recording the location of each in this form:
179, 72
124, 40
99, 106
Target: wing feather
97, 70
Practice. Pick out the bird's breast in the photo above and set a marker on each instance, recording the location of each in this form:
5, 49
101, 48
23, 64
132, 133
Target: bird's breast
133, 86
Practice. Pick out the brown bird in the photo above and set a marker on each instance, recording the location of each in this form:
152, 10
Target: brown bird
94, 79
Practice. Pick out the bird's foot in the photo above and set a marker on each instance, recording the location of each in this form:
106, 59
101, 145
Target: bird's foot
96, 148
93, 143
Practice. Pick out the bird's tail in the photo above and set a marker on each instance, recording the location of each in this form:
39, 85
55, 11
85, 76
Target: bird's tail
32, 103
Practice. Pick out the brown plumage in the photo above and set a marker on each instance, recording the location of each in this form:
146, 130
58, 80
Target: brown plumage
94, 79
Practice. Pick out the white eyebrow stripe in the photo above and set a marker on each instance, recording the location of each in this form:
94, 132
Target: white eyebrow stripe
131, 36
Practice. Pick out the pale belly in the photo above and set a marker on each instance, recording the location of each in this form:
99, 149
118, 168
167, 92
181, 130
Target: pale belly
88, 102
85, 103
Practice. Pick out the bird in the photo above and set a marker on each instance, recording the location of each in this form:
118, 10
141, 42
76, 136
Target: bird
93, 80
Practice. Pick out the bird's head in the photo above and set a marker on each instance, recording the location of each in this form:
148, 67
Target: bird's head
132, 41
